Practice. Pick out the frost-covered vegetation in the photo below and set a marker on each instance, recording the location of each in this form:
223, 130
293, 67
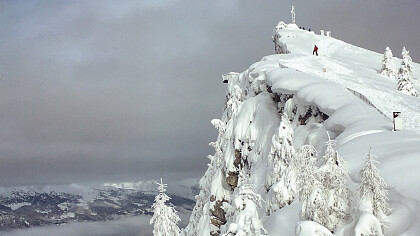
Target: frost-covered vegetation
165, 218
388, 66
405, 75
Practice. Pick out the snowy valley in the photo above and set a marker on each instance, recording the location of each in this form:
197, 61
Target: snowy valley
296, 133
58, 205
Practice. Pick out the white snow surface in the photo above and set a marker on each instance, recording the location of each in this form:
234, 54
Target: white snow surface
15, 206
345, 83
361, 125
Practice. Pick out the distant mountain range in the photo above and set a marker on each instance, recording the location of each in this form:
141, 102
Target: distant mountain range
28, 207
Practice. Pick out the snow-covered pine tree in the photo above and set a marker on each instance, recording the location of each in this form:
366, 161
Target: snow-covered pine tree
235, 102
405, 75
202, 206
373, 193
165, 218
211, 187
245, 220
388, 66
308, 176
209, 212
218, 189
280, 180
282, 151
334, 179
311, 191
221, 127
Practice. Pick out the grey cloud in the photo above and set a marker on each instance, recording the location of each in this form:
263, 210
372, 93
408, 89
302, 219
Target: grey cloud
118, 90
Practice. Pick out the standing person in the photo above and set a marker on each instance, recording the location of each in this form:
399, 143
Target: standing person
315, 50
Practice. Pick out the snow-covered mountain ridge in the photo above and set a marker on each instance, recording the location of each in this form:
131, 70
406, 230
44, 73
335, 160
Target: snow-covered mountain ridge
339, 93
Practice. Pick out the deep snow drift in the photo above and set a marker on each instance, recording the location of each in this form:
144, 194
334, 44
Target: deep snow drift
339, 93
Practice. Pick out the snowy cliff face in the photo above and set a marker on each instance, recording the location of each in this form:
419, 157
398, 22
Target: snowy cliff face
274, 170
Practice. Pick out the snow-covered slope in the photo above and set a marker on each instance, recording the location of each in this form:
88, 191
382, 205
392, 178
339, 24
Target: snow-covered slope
354, 68
339, 93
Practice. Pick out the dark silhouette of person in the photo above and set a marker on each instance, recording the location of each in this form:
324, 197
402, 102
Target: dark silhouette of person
315, 50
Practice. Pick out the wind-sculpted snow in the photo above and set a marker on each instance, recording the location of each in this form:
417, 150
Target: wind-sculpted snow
310, 90
258, 116
338, 95
358, 70
352, 67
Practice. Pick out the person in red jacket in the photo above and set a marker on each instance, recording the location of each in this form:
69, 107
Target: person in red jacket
315, 50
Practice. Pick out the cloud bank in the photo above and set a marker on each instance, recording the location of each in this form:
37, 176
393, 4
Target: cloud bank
117, 90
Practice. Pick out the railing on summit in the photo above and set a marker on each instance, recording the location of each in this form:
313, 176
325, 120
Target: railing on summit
363, 98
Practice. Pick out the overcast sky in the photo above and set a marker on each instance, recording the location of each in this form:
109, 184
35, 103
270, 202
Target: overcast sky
125, 90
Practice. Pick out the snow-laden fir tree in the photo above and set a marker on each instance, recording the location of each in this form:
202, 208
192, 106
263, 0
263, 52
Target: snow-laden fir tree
388, 66
219, 190
209, 212
235, 102
334, 179
221, 127
209, 189
373, 193
281, 176
165, 218
405, 75
311, 191
244, 212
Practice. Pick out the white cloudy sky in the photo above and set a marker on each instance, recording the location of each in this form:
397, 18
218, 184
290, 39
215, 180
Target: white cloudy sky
123, 90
